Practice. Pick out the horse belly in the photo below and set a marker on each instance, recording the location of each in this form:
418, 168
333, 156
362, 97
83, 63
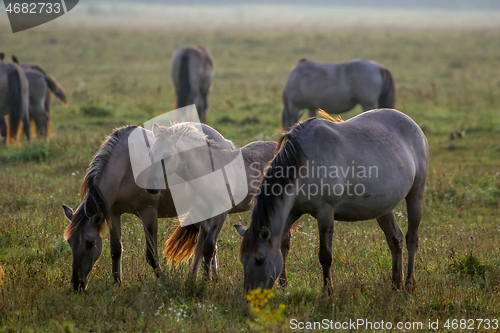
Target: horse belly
370, 198
336, 99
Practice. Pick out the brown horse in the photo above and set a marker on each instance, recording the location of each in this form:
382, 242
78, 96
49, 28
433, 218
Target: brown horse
192, 73
40, 86
14, 100
110, 190
355, 170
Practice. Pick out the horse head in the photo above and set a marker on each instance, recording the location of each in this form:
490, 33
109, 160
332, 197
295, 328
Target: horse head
84, 237
261, 258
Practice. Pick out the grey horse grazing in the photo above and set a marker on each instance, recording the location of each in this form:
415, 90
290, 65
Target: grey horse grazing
191, 164
110, 190
40, 86
192, 73
354, 170
335, 88
14, 97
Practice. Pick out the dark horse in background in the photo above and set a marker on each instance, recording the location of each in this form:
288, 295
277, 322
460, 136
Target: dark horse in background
13, 100
335, 88
40, 86
192, 73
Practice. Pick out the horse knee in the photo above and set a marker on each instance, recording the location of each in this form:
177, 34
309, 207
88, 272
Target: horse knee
412, 239
396, 243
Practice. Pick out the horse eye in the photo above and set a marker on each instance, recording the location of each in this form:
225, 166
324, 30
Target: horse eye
90, 243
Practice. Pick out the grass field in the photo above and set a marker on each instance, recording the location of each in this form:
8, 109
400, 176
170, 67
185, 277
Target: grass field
445, 81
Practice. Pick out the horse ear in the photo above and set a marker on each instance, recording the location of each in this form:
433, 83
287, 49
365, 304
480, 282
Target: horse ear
156, 129
14, 59
265, 234
68, 212
240, 229
2, 56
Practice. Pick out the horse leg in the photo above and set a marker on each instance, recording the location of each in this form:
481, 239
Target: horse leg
198, 251
115, 239
149, 219
290, 115
326, 225
285, 247
3, 129
44, 125
210, 243
414, 208
199, 102
41, 120
394, 237
204, 89
27, 126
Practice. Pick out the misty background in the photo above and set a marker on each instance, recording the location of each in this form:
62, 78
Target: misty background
483, 5
290, 15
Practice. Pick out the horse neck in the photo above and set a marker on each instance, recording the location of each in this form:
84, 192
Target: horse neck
276, 221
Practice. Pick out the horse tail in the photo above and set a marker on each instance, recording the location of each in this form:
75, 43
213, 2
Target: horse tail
184, 82
16, 102
180, 246
387, 95
56, 89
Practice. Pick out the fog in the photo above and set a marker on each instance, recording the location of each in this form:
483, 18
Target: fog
480, 5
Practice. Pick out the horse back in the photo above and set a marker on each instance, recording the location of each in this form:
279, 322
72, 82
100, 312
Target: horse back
384, 151
334, 87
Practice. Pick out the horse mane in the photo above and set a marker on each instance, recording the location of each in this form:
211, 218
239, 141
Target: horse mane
303, 59
93, 203
190, 131
288, 154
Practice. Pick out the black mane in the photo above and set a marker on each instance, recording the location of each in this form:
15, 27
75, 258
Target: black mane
288, 154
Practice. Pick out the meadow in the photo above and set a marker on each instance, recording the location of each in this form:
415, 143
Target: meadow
445, 80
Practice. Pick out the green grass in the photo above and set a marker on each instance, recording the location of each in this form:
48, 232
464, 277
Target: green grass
445, 81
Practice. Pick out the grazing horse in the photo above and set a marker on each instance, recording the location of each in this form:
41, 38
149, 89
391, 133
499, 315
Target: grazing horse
192, 73
192, 164
355, 170
335, 88
40, 86
110, 190
14, 100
